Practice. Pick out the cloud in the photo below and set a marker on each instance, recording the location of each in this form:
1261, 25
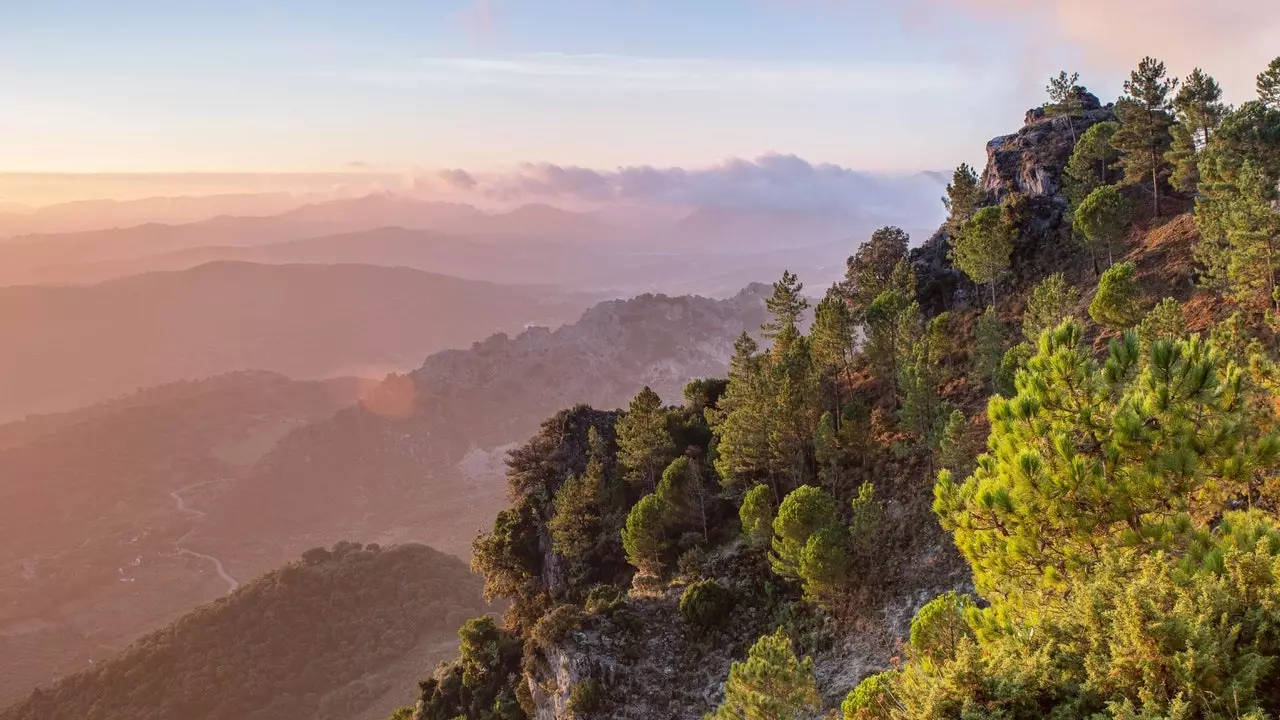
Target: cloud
602, 71
770, 181
1233, 39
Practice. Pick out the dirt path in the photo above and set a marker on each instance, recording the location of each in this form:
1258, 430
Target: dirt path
180, 504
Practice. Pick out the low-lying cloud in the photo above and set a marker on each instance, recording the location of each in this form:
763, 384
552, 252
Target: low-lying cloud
774, 181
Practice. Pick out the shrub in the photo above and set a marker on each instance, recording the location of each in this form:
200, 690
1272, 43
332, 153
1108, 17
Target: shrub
586, 697
605, 599
556, 625
1118, 301
705, 603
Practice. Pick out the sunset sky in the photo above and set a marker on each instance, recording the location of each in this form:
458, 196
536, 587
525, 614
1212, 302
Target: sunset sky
309, 86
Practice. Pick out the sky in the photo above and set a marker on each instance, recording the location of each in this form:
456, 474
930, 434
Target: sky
396, 88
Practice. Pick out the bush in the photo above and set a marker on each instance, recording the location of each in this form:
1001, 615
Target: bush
1118, 303
705, 603
605, 599
556, 626
586, 697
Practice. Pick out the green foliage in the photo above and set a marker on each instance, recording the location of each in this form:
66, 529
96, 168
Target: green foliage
983, 248
1199, 105
508, 557
1241, 231
604, 599
684, 491
756, 515
870, 270
832, 339
1182, 156
1103, 219
988, 346
1118, 302
703, 393
1145, 118
644, 538
957, 449
1052, 301
705, 604
940, 627
585, 697
961, 201
786, 305
1087, 461
575, 523
803, 512
554, 627
1064, 96
872, 699
644, 446
1092, 162
1269, 85
1163, 322
481, 682
772, 684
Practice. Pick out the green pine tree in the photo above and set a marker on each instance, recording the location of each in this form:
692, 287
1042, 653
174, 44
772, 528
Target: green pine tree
771, 684
1103, 219
1118, 302
983, 249
963, 196
644, 537
1051, 301
644, 445
869, 271
1092, 162
1144, 115
1199, 105
1064, 98
1269, 85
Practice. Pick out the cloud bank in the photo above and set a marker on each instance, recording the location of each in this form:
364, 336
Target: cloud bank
780, 182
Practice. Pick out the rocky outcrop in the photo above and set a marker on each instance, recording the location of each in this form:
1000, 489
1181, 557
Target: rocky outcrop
1030, 162
1024, 168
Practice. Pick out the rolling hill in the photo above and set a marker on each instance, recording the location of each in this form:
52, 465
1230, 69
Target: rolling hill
71, 346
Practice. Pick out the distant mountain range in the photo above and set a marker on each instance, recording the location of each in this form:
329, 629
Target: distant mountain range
169, 497
623, 249
70, 346
343, 634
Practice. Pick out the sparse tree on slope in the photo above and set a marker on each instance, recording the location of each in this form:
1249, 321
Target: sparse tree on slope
1052, 301
1118, 302
983, 248
644, 538
644, 446
963, 196
772, 684
1091, 162
786, 305
1064, 96
870, 270
1269, 85
1103, 218
1199, 105
1143, 137
756, 515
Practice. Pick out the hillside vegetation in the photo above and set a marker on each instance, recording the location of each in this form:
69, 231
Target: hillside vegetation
319, 638
1048, 434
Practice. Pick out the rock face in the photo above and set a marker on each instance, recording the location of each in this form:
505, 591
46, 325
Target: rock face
1025, 167
1030, 162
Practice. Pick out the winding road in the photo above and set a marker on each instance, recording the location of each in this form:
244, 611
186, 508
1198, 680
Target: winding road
181, 504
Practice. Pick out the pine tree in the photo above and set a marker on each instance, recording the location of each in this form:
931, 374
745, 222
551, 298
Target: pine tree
786, 305
1199, 105
1092, 161
1051, 301
1064, 97
988, 347
803, 512
1163, 322
1118, 302
963, 196
1144, 117
1103, 219
983, 249
869, 271
683, 490
644, 537
756, 515
575, 523
832, 342
956, 451
772, 684
1269, 85
644, 446
1182, 156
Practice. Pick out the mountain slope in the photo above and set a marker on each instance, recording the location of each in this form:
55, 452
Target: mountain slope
70, 346
127, 480
337, 635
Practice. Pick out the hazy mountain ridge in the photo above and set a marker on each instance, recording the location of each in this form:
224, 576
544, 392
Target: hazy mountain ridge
306, 321
126, 481
338, 635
